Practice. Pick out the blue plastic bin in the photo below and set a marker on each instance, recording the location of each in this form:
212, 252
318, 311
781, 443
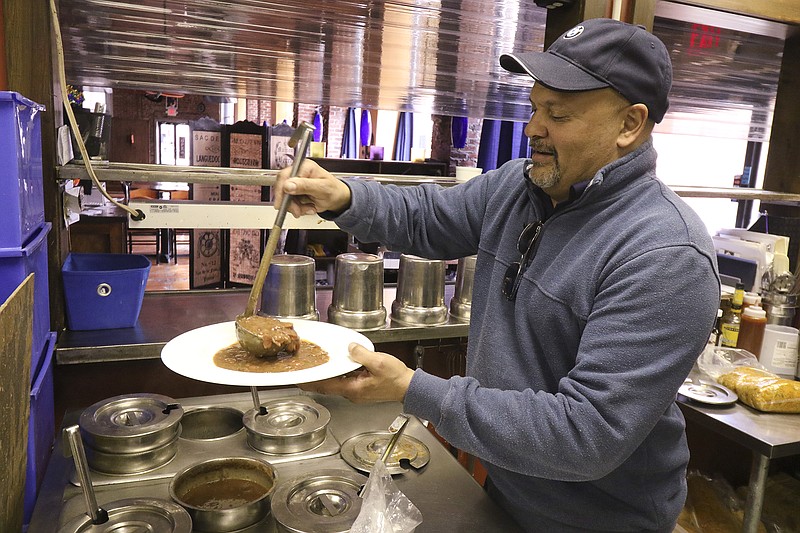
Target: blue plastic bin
15, 265
104, 291
41, 428
21, 184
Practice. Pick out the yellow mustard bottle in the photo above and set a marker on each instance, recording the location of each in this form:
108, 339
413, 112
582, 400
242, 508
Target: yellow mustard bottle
731, 323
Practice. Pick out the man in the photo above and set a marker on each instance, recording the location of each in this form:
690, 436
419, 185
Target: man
595, 289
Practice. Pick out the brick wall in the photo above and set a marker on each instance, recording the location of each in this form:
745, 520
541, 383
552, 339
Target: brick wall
442, 148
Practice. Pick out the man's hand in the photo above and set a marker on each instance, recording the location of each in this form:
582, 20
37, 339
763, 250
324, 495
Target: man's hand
383, 378
314, 190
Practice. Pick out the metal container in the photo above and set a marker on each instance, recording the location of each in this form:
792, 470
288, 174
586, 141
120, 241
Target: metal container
131, 424
132, 462
225, 494
461, 304
325, 501
290, 289
287, 426
211, 423
358, 292
420, 292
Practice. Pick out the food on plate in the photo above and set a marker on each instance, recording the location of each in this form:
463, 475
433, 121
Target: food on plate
307, 355
277, 337
763, 390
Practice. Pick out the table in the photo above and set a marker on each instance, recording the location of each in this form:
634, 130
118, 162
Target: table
100, 229
766, 435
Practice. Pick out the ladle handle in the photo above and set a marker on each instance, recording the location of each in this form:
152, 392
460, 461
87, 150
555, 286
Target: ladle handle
274, 234
399, 425
97, 514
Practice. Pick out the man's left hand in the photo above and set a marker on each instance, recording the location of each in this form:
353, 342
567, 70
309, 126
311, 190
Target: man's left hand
382, 378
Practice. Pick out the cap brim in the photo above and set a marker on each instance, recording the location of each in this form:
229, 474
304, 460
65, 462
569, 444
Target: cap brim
552, 70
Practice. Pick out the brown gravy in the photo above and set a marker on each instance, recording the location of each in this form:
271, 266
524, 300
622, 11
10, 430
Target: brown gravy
234, 357
226, 493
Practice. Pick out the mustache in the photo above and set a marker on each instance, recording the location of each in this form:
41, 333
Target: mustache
541, 147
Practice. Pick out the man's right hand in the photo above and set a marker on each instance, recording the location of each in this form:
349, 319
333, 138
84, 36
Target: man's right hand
313, 190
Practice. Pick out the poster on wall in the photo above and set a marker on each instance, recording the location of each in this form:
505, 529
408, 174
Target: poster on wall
245, 149
205, 254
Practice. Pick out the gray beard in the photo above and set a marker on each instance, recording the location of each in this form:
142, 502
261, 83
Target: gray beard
547, 181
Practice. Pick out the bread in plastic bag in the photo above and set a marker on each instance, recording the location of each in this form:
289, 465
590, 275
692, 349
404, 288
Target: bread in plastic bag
384, 508
763, 390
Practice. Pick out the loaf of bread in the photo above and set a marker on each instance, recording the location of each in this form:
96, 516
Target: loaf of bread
763, 390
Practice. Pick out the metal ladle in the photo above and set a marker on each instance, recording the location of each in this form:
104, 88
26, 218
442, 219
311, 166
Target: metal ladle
249, 340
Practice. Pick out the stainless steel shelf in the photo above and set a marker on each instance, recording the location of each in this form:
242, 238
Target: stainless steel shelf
108, 171
165, 315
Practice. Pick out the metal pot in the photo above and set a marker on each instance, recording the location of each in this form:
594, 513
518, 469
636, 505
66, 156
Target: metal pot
131, 424
420, 292
132, 462
287, 426
211, 423
225, 494
461, 304
358, 292
324, 501
290, 288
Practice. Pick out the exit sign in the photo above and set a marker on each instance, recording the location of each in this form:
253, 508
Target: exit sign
704, 37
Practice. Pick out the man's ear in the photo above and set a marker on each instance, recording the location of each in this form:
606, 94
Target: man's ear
634, 125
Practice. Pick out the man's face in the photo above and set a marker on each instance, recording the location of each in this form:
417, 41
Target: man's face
572, 136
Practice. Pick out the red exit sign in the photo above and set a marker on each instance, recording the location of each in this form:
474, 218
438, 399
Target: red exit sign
704, 36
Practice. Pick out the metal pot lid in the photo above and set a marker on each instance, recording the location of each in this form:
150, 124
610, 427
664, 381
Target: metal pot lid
707, 392
293, 417
325, 501
361, 451
135, 515
122, 417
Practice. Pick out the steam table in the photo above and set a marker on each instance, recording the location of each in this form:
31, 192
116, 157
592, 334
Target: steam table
446, 495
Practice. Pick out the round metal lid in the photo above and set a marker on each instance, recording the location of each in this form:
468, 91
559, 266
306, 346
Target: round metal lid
361, 451
135, 515
324, 501
288, 418
708, 392
131, 416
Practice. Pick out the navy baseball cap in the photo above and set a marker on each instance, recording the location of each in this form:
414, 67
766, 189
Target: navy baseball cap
600, 53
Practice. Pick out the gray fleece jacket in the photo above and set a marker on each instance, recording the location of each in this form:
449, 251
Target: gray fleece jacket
569, 399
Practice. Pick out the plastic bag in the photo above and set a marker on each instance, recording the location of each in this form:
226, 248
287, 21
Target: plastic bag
384, 508
718, 360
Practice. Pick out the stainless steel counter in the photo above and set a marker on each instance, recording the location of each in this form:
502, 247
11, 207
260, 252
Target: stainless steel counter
447, 496
767, 435
165, 315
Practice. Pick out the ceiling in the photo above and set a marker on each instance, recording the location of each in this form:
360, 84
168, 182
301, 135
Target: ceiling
438, 56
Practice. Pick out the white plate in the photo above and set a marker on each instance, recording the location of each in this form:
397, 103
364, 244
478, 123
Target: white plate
191, 354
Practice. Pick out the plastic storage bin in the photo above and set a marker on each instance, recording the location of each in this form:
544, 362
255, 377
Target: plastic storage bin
104, 291
41, 428
21, 184
15, 265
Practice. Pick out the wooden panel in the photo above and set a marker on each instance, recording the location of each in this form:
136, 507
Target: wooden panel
16, 316
130, 140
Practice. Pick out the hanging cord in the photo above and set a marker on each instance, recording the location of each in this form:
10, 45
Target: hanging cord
136, 214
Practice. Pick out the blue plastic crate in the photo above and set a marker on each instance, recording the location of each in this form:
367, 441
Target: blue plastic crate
41, 428
21, 184
104, 291
15, 265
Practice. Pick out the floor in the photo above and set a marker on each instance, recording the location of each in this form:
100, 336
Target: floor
167, 276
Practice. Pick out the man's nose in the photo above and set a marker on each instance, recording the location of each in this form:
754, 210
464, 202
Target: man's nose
534, 128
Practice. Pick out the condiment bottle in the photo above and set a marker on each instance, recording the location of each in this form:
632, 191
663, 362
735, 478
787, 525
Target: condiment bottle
751, 329
731, 322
